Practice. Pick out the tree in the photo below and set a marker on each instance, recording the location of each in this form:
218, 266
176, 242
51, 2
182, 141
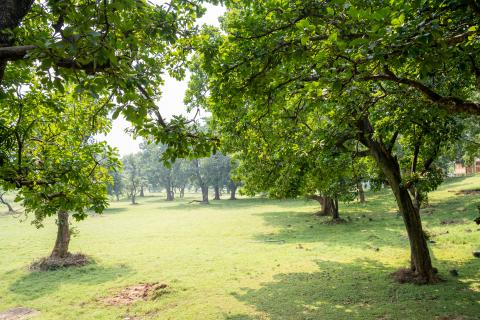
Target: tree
56, 167
200, 177
117, 186
362, 76
133, 180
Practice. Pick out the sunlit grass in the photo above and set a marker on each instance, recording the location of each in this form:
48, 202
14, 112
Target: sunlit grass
250, 259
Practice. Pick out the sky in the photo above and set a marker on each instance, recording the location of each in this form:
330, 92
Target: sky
171, 102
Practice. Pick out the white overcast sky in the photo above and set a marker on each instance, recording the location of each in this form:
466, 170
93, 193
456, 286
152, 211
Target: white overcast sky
170, 104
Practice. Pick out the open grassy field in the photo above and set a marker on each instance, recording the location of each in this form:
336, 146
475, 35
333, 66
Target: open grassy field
219, 261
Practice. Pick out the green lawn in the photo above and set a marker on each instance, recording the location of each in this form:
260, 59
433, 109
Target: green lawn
218, 264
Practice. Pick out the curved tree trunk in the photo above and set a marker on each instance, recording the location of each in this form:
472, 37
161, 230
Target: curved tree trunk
63, 236
329, 206
217, 193
5, 202
421, 263
361, 192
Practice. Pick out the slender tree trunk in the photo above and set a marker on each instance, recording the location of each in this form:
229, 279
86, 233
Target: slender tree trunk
63, 236
169, 192
421, 262
204, 194
233, 191
133, 198
142, 194
217, 193
117, 196
361, 192
182, 192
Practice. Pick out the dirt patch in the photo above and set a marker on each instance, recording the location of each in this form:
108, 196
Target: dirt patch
409, 276
18, 313
468, 192
132, 294
52, 263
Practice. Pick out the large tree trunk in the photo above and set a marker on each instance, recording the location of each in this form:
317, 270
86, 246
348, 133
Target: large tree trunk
328, 206
233, 191
63, 236
11, 14
421, 263
217, 193
204, 193
361, 192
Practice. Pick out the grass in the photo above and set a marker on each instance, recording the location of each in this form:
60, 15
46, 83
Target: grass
219, 261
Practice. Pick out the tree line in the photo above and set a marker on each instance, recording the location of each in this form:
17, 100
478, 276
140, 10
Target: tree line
144, 171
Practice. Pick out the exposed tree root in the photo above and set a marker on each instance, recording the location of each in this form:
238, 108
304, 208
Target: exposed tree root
406, 275
54, 263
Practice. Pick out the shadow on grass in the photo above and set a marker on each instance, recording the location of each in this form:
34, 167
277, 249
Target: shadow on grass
115, 210
358, 290
230, 205
359, 231
37, 284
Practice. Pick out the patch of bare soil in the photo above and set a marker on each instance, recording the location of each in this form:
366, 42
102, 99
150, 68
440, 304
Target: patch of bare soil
450, 318
408, 276
18, 313
53, 263
132, 294
468, 192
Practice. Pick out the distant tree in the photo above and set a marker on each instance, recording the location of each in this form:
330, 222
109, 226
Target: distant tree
116, 187
199, 177
132, 178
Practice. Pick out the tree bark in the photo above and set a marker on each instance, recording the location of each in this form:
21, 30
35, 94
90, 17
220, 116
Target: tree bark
217, 193
233, 191
361, 192
421, 263
63, 236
